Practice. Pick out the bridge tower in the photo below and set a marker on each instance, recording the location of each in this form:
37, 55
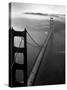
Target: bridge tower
17, 71
52, 25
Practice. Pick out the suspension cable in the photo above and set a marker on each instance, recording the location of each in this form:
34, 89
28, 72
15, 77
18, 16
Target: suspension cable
34, 40
33, 45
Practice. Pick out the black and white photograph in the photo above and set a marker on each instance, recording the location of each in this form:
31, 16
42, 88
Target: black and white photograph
36, 44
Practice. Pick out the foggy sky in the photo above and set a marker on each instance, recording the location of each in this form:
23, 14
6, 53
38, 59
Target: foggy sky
18, 9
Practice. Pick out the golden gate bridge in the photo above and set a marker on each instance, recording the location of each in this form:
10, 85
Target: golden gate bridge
13, 66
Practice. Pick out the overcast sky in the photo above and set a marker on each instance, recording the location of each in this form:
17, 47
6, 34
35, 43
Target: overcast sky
19, 8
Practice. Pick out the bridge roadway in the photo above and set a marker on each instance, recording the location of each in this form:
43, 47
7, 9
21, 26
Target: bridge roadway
52, 67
